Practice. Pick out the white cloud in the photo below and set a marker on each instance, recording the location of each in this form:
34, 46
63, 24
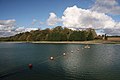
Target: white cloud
6, 33
7, 22
106, 6
23, 29
74, 17
6, 25
114, 31
81, 18
29, 29
53, 19
20, 29
117, 25
8, 28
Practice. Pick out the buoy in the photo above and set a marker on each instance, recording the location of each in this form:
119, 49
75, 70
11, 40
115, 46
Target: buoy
30, 66
64, 54
87, 46
51, 58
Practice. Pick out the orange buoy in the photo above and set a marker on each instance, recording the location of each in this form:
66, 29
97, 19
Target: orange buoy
30, 66
51, 58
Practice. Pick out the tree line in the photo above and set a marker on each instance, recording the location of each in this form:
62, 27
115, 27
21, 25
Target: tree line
56, 34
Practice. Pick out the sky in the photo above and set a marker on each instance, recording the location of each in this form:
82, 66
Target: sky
18, 16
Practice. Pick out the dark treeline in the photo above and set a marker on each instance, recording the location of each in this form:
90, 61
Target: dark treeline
56, 34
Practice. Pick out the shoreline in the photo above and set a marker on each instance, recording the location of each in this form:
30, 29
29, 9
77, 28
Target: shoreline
66, 42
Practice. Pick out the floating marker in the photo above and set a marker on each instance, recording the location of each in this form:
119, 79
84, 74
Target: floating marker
30, 66
87, 46
51, 58
64, 54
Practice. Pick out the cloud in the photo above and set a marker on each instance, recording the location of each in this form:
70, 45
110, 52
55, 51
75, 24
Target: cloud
8, 28
75, 18
112, 31
53, 19
84, 18
29, 29
7, 25
106, 6
117, 26
6, 33
23, 29
7, 22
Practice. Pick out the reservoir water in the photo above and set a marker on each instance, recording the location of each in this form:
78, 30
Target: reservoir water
99, 62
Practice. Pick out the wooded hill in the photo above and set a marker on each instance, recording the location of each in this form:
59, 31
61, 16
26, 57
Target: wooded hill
56, 34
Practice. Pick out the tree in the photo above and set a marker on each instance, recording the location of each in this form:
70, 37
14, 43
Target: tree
56, 34
75, 36
90, 36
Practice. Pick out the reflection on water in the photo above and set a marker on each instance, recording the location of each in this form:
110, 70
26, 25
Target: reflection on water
99, 62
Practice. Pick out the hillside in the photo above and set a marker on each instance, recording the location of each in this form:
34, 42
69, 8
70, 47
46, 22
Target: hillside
56, 34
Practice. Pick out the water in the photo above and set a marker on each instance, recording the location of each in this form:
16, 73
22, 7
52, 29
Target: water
100, 62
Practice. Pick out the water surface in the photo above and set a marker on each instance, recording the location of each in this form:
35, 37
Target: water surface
100, 62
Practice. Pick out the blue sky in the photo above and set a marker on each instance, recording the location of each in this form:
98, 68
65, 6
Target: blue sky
27, 12
24, 11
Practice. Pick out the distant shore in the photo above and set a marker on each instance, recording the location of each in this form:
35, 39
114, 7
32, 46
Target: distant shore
68, 42
80, 42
